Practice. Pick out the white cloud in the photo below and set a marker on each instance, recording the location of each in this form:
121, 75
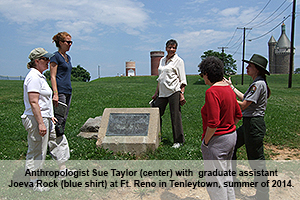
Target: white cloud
189, 41
79, 16
230, 11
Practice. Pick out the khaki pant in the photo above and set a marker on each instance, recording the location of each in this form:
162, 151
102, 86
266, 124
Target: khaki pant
37, 145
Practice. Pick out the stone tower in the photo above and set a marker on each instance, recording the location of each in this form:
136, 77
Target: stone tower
279, 53
272, 44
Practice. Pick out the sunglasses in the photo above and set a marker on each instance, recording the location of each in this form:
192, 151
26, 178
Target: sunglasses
69, 42
201, 74
45, 59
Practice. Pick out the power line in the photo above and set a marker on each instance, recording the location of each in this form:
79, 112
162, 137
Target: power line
231, 38
238, 48
270, 30
258, 14
239, 44
238, 40
258, 25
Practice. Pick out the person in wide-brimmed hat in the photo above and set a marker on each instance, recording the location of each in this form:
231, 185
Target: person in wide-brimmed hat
259, 61
253, 104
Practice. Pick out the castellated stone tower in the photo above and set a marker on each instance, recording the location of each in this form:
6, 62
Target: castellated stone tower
279, 53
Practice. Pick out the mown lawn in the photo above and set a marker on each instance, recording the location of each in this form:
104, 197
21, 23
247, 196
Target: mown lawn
90, 99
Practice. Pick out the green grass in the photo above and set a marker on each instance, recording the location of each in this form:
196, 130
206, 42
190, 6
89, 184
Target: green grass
90, 99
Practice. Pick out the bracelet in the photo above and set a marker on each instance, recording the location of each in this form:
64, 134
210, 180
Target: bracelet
55, 91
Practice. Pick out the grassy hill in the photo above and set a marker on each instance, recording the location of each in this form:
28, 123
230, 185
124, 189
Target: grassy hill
90, 99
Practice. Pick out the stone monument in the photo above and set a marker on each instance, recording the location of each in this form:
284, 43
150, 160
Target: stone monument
132, 130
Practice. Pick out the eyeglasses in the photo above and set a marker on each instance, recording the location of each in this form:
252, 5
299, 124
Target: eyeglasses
69, 42
43, 58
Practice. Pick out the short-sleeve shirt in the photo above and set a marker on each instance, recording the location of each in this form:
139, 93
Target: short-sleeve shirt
36, 82
220, 110
171, 76
63, 74
258, 94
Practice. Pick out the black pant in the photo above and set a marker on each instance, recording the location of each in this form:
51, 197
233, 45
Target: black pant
65, 98
252, 133
175, 110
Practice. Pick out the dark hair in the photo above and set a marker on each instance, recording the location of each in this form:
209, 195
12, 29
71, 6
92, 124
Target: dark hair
262, 73
212, 67
171, 42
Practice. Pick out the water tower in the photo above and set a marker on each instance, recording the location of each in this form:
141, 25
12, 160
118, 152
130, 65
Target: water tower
130, 68
155, 58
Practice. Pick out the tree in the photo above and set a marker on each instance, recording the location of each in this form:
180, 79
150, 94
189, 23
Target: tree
229, 63
47, 75
78, 74
297, 71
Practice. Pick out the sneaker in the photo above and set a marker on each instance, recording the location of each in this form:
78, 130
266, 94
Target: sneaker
176, 145
40, 188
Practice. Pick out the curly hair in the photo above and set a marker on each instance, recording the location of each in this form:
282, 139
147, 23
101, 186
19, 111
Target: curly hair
213, 67
60, 37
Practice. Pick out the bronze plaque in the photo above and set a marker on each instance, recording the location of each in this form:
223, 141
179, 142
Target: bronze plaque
128, 124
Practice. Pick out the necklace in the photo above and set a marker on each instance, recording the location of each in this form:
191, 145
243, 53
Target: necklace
64, 56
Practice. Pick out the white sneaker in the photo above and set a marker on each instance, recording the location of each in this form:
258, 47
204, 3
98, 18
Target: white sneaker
40, 188
176, 145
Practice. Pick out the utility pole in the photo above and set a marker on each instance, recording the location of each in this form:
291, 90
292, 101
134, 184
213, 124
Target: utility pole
99, 72
292, 45
244, 44
223, 52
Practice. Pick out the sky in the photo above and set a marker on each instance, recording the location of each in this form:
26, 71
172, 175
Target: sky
108, 33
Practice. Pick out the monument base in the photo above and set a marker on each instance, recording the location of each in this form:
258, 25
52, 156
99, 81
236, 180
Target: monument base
134, 130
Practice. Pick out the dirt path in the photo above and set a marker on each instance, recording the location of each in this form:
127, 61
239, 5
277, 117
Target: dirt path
283, 153
287, 193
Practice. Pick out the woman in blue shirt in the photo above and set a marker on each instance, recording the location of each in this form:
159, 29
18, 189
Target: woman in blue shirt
60, 73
